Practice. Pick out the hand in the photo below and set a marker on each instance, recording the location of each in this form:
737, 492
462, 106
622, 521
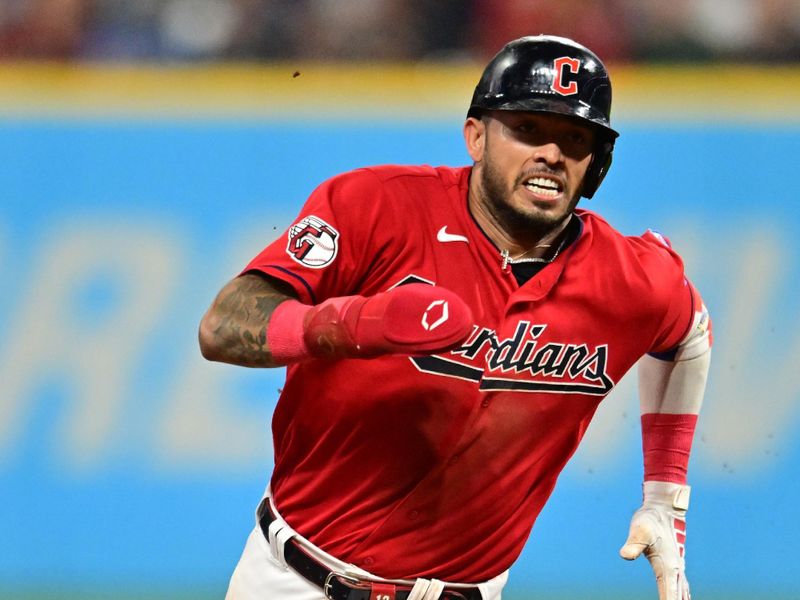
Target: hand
409, 319
658, 530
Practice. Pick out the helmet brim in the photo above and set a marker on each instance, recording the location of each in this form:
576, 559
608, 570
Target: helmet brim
569, 108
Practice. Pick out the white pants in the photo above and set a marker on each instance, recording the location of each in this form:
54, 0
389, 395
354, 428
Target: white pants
259, 577
260, 574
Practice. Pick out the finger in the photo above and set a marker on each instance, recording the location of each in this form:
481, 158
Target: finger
639, 538
632, 550
685, 593
663, 589
665, 578
672, 586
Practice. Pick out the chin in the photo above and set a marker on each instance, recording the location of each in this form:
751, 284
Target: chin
548, 214
537, 221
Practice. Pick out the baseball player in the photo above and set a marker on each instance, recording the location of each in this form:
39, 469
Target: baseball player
448, 334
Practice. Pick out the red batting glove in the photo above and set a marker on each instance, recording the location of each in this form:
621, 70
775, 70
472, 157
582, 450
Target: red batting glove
410, 319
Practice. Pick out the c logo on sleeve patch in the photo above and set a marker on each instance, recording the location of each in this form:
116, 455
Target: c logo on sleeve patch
312, 242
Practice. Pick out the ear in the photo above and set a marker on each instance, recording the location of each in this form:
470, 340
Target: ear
475, 137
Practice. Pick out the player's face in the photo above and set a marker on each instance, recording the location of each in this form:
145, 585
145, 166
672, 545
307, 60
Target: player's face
530, 167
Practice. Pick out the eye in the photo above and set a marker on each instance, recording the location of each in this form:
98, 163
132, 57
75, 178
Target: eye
525, 128
576, 138
578, 141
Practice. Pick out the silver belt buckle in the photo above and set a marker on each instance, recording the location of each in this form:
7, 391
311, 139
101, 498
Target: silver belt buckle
326, 589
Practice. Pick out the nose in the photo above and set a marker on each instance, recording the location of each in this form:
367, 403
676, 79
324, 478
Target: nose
548, 153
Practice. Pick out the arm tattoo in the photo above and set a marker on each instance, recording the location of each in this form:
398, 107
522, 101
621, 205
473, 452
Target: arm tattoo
243, 309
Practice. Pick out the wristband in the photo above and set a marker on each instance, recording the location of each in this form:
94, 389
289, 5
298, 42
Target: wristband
666, 444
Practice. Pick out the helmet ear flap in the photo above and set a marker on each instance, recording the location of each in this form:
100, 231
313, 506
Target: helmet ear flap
601, 163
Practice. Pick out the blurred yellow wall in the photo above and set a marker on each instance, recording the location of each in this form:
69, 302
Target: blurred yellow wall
407, 92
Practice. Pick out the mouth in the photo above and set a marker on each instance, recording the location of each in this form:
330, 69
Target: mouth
544, 186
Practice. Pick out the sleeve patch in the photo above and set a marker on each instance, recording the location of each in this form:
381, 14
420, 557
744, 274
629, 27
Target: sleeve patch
661, 238
312, 242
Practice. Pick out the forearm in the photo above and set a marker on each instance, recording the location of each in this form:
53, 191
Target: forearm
257, 322
234, 330
671, 392
671, 395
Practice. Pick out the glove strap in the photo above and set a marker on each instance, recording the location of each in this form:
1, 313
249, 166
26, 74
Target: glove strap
663, 493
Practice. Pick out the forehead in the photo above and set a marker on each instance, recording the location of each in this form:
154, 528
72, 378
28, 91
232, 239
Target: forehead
541, 118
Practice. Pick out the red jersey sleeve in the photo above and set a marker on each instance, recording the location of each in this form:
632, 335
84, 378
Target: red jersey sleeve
328, 248
677, 298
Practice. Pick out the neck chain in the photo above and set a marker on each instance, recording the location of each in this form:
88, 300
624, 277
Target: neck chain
507, 260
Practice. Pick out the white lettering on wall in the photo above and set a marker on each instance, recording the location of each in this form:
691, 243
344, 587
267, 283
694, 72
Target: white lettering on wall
216, 417
751, 403
95, 358
205, 425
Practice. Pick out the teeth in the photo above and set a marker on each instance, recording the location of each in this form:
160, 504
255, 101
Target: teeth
543, 186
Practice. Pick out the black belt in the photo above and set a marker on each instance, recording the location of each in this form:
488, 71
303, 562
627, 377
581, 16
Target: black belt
337, 586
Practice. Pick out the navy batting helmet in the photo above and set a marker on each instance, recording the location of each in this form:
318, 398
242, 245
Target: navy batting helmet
556, 75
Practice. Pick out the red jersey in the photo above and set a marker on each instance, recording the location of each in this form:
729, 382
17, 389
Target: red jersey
437, 466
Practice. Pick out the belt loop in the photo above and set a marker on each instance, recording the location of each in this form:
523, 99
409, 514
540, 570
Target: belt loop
435, 589
426, 589
278, 534
283, 535
275, 546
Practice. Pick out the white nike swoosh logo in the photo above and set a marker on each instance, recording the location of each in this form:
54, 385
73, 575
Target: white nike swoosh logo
443, 236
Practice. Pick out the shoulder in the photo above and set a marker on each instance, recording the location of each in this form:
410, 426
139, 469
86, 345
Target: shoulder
422, 175
381, 174
644, 260
390, 185
642, 276
651, 245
